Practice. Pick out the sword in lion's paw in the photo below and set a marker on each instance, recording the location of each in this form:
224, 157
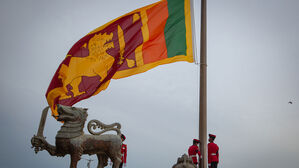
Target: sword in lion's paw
38, 140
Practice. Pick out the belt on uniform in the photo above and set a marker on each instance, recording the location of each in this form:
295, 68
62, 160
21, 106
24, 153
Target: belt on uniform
213, 154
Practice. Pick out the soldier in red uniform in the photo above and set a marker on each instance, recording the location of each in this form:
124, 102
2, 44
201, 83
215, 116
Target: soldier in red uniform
193, 150
123, 152
213, 152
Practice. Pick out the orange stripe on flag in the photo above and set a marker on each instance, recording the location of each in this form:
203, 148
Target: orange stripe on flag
155, 49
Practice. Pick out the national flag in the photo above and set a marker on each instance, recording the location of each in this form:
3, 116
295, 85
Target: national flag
153, 35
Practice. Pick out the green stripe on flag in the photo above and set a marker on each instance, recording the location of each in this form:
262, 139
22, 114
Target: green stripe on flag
175, 29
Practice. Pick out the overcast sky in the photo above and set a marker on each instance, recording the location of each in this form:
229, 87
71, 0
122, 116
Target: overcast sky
253, 72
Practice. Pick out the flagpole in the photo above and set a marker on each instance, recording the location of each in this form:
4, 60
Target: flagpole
203, 85
203, 76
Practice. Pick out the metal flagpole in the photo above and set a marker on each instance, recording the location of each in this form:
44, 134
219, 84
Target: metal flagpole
203, 77
203, 85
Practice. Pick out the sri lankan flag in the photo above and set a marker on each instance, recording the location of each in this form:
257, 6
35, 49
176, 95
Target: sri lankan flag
156, 34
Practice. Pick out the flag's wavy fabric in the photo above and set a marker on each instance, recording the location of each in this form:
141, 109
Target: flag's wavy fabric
153, 35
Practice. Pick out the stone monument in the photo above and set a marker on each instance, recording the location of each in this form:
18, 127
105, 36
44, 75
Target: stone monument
184, 162
70, 139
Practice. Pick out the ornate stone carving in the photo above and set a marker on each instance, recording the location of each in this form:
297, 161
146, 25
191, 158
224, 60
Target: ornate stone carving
70, 139
94, 124
184, 162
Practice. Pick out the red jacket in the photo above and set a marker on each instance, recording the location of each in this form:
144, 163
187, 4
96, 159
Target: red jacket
192, 151
213, 152
123, 153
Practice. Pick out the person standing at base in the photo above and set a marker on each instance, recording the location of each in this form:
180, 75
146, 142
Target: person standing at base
213, 152
123, 152
193, 151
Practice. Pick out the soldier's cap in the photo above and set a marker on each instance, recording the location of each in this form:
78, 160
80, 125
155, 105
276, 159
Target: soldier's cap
196, 140
123, 136
212, 136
